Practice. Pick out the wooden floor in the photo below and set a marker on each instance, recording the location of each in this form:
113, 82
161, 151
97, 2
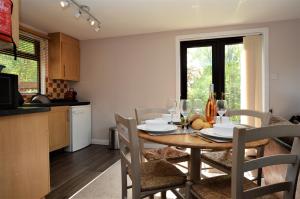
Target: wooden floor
71, 171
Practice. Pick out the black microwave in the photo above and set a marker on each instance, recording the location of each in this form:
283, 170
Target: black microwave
8, 91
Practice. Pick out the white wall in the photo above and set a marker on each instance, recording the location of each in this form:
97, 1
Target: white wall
119, 74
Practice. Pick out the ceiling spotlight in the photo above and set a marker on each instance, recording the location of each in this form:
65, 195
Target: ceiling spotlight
64, 3
97, 28
82, 11
92, 22
77, 14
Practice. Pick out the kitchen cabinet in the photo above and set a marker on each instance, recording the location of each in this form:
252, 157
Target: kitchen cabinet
24, 156
58, 127
64, 57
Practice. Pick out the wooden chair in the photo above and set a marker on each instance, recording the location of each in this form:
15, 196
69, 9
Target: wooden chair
222, 160
147, 178
170, 154
237, 186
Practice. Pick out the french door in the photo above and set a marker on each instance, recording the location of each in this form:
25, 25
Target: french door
216, 61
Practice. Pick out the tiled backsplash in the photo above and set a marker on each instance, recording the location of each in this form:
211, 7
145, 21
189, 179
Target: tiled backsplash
55, 89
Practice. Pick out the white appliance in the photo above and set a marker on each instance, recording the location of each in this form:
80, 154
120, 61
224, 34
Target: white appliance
80, 127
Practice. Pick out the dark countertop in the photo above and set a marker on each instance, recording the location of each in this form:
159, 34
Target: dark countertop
23, 110
56, 104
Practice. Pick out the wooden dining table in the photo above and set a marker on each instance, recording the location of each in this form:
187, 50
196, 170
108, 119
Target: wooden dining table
196, 143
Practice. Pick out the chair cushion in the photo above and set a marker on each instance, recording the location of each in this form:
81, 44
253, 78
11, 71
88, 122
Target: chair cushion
160, 174
220, 158
168, 153
220, 188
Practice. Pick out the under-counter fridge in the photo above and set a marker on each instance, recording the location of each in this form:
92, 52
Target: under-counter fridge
80, 127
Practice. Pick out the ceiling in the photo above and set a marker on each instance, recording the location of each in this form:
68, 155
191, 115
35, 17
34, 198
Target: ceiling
129, 17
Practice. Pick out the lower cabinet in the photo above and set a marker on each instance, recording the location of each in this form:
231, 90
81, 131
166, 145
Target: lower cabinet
58, 127
24, 156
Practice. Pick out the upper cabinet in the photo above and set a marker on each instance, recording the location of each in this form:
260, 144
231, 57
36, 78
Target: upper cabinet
64, 57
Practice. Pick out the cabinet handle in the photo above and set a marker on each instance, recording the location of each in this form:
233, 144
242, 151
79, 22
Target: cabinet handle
64, 70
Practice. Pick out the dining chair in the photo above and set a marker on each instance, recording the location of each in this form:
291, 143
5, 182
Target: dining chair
222, 160
147, 178
236, 186
168, 153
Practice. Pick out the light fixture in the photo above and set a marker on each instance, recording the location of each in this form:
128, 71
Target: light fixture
83, 11
64, 3
92, 22
97, 28
77, 14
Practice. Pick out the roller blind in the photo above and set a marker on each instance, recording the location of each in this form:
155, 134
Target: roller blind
26, 66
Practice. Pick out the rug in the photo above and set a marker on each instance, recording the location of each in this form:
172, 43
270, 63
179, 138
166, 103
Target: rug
107, 186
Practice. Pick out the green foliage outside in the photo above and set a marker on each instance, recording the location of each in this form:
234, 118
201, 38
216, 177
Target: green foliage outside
233, 75
26, 69
199, 63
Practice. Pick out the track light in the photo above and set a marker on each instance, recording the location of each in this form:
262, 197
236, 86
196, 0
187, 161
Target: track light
97, 28
77, 14
92, 22
64, 3
82, 11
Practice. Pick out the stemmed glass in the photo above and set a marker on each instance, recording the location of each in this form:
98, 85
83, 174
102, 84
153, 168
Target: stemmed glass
172, 106
197, 104
221, 108
185, 109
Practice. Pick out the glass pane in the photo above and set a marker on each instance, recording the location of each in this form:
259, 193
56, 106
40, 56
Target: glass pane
199, 73
26, 47
25, 68
233, 59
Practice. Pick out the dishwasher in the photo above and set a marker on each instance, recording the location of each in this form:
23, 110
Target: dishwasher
80, 127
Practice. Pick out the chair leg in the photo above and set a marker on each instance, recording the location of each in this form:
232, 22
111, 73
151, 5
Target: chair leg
124, 180
260, 153
163, 195
188, 186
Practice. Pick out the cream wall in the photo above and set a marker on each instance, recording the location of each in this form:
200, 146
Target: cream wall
119, 74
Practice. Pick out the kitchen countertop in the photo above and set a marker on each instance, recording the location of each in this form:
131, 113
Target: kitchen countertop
23, 110
56, 104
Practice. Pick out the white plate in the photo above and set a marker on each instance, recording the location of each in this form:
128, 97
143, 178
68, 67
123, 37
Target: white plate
157, 129
218, 133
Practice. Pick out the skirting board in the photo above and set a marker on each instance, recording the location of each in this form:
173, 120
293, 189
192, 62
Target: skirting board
106, 142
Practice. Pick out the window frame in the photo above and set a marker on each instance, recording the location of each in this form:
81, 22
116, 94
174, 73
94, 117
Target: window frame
35, 57
218, 62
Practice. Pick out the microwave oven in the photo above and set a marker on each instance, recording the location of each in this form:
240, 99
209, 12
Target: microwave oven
8, 91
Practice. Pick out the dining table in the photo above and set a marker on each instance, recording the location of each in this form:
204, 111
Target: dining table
196, 143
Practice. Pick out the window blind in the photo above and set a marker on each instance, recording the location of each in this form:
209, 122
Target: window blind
26, 66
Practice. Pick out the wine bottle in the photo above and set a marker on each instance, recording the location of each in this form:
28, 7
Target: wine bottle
211, 106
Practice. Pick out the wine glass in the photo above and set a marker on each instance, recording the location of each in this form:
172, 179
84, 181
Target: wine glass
221, 108
172, 106
197, 106
185, 109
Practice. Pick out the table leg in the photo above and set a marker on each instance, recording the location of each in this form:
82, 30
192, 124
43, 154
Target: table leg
195, 165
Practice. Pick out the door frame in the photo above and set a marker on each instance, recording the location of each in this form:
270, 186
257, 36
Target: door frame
234, 33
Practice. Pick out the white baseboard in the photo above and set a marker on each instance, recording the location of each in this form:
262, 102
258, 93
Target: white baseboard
100, 141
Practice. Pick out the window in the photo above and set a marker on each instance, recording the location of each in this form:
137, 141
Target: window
216, 61
26, 66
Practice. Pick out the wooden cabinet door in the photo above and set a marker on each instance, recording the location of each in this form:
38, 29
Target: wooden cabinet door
70, 60
58, 127
24, 156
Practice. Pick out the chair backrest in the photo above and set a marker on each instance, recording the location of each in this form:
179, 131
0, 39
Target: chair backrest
129, 147
264, 117
142, 114
239, 166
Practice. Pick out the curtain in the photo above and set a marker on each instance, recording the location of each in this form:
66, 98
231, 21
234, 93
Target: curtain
251, 75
